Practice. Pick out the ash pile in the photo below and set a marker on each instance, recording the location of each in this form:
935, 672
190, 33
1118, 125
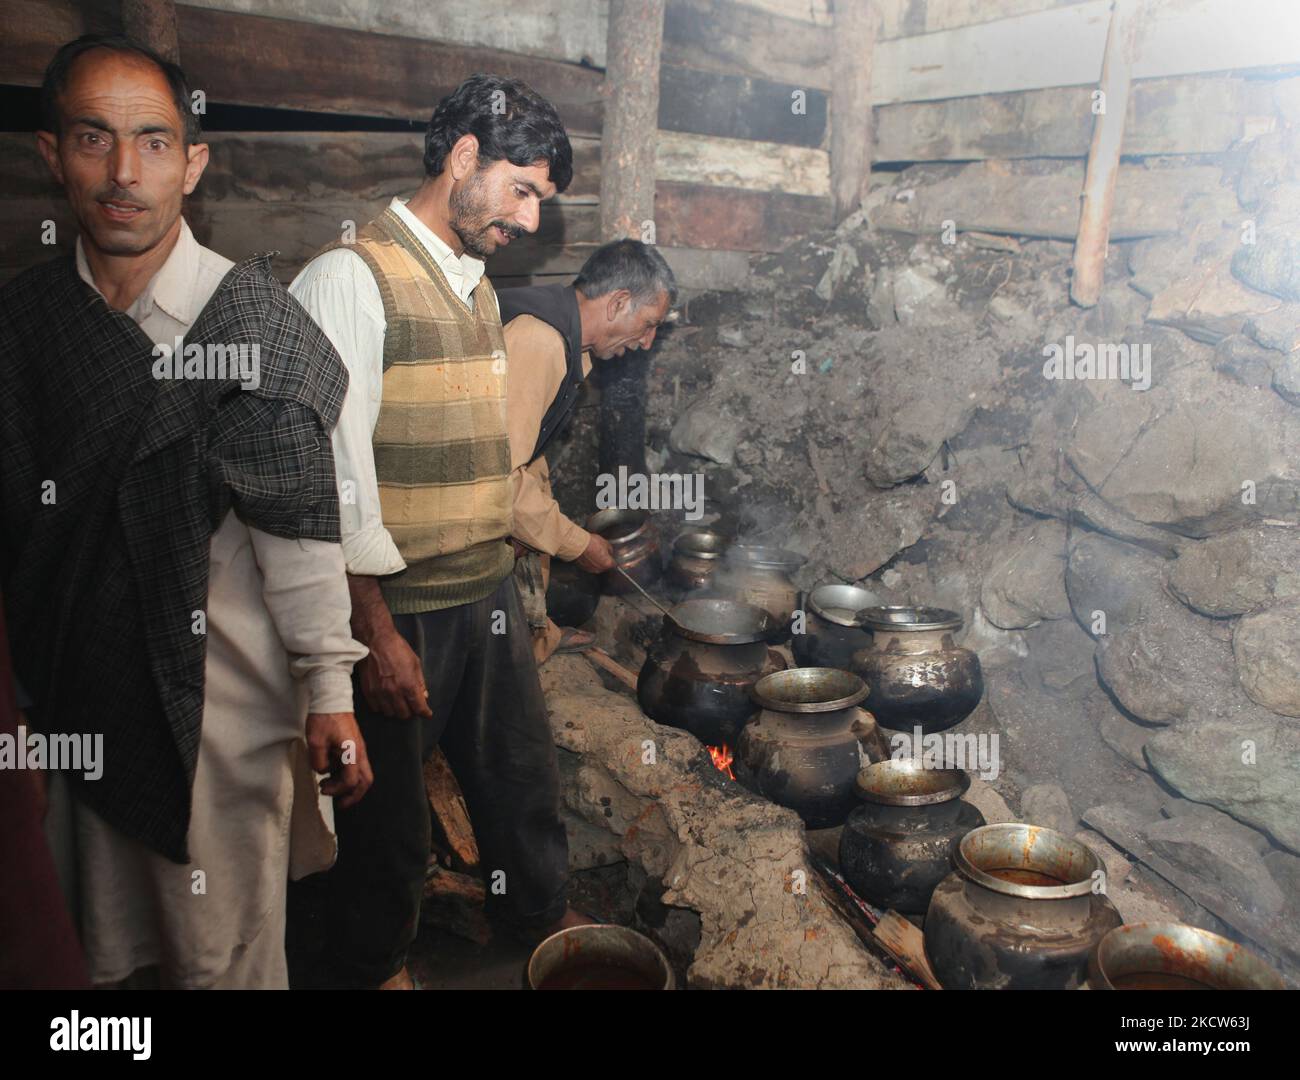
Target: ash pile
1109, 497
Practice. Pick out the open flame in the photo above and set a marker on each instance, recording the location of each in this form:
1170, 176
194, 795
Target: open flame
722, 758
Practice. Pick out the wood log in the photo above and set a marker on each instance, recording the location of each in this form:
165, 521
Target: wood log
454, 902
740, 107
734, 39
153, 23
449, 811
906, 944
853, 44
603, 660
1103, 156
627, 147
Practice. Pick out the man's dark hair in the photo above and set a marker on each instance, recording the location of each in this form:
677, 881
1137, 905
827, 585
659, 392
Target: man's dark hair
510, 121
630, 265
56, 79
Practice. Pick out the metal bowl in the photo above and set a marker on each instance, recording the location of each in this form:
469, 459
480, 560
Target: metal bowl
1172, 956
718, 621
809, 690
1028, 861
878, 619
905, 781
607, 948
841, 604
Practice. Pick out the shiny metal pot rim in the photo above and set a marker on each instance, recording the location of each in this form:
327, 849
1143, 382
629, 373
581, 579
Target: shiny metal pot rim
907, 619
904, 781
765, 557
834, 594
603, 520
809, 690
1178, 949
1017, 846
616, 944
702, 544
719, 621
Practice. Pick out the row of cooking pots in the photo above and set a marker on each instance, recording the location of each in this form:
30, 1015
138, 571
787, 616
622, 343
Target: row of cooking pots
1014, 906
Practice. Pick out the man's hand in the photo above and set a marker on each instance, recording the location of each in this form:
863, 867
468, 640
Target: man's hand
392, 678
335, 746
597, 557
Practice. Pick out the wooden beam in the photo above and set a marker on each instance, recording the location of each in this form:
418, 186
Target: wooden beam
735, 39
627, 152
1103, 156
742, 163
152, 23
853, 44
740, 107
714, 218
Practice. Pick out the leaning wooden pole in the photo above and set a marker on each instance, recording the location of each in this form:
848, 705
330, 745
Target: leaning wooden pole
627, 203
852, 130
1103, 155
153, 23
627, 138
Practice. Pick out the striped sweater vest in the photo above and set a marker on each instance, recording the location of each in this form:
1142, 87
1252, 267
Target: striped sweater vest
442, 455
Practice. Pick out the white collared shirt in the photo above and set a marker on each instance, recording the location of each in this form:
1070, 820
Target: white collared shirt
340, 293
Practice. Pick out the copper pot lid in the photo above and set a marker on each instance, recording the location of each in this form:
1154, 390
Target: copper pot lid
841, 604
904, 781
809, 690
905, 619
1028, 861
717, 621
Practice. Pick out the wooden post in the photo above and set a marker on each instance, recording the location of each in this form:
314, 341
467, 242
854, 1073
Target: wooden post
852, 44
153, 23
628, 137
1103, 155
627, 200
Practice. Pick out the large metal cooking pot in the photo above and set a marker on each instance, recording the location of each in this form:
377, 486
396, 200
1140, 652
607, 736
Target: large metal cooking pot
832, 633
919, 677
599, 957
1171, 956
698, 673
897, 846
809, 741
696, 557
635, 541
760, 575
1019, 913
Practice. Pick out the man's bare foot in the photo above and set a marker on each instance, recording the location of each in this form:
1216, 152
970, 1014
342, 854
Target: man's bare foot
401, 981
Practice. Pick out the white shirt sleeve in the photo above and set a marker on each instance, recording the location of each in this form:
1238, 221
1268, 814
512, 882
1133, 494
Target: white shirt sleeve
339, 292
306, 592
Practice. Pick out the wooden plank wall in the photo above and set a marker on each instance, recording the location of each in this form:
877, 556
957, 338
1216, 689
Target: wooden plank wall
740, 168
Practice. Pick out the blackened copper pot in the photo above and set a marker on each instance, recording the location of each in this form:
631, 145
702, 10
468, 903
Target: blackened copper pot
1023, 910
808, 742
919, 676
696, 557
897, 846
698, 673
635, 541
831, 632
760, 575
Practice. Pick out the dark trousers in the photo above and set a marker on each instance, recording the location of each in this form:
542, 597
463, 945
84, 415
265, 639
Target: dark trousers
490, 719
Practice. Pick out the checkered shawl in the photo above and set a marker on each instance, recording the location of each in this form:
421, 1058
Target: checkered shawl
111, 485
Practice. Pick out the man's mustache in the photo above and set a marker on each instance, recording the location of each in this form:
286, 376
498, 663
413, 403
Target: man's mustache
512, 231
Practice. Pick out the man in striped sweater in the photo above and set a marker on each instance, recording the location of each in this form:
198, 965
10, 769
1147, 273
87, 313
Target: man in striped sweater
425, 492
